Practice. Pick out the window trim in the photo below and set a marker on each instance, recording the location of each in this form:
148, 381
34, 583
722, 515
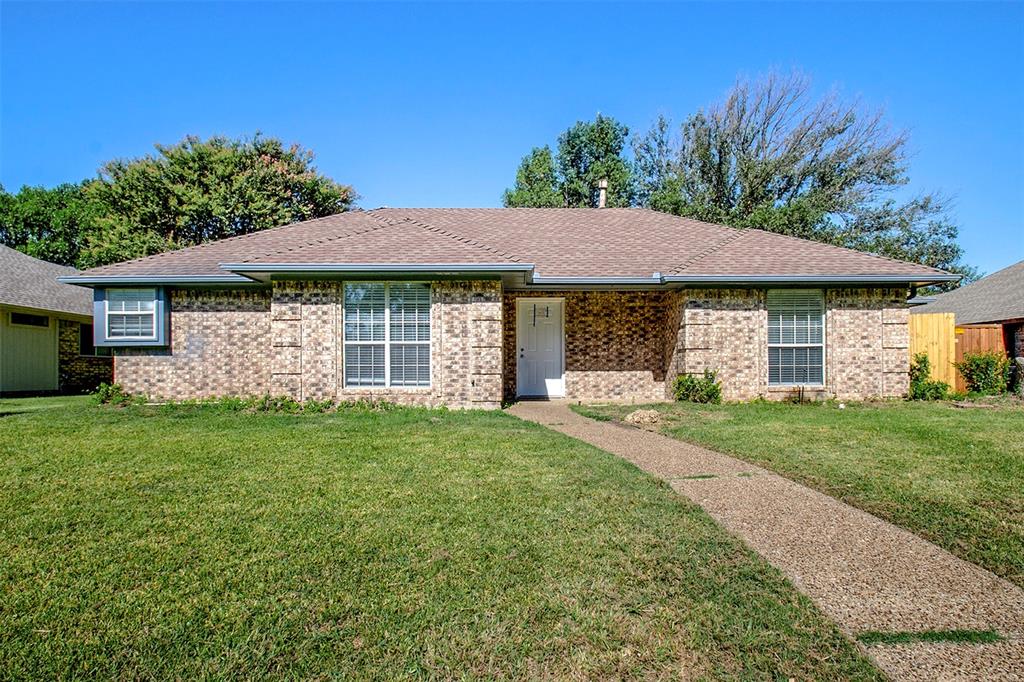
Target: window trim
386, 343
824, 336
101, 319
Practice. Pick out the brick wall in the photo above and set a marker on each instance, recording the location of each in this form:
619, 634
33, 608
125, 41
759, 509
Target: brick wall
724, 330
866, 342
78, 373
614, 343
631, 345
308, 353
867, 345
619, 345
220, 345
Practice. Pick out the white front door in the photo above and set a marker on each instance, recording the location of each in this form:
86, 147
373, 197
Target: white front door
540, 371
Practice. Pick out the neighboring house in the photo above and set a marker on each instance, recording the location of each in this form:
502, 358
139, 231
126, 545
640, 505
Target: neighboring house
46, 337
995, 299
473, 307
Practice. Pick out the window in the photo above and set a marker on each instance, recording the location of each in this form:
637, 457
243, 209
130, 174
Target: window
131, 314
29, 320
387, 334
85, 343
796, 337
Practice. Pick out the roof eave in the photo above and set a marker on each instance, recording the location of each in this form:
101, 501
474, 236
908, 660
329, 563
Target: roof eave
127, 280
812, 279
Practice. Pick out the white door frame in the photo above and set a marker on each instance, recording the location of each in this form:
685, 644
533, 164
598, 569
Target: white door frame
519, 330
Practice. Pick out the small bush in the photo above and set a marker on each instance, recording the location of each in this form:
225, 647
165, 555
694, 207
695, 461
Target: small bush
987, 373
112, 394
705, 389
921, 386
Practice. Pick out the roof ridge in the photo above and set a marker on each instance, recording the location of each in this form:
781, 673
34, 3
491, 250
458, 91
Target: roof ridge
465, 240
708, 251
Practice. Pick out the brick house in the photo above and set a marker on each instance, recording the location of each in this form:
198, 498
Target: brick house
476, 307
46, 336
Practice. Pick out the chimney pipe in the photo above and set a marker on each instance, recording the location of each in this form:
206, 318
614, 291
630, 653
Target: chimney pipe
602, 197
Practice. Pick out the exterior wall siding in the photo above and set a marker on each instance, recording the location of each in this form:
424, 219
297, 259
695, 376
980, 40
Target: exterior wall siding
220, 345
79, 373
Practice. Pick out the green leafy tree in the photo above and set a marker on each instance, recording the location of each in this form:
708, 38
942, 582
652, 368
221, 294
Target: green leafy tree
49, 224
589, 151
201, 190
536, 182
773, 157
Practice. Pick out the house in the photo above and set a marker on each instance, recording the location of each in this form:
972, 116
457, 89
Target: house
46, 330
997, 299
474, 307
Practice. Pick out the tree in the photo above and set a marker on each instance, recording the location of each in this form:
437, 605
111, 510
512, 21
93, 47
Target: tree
536, 182
590, 152
772, 157
46, 223
587, 153
201, 190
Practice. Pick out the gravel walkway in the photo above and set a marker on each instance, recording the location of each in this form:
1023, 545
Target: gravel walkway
864, 573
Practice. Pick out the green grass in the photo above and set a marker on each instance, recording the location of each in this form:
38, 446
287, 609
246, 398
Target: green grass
931, 636
952, 475
184, 542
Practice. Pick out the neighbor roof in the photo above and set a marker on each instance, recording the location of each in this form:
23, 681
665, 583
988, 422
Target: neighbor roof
28, 282
995, 298
549, 243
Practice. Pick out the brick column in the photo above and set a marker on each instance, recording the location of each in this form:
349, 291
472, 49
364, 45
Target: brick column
304, 335
286, 339
468, 338
895, 347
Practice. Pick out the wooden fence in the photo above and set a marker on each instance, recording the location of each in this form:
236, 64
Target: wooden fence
945, 343
934, 334
977, 338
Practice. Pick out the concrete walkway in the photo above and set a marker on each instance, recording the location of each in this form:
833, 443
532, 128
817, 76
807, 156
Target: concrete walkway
864, 573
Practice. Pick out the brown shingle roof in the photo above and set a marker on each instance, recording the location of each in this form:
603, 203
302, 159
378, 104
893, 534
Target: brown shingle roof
611, 242
28, 282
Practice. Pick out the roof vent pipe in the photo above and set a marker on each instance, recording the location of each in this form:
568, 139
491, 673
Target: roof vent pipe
602, 196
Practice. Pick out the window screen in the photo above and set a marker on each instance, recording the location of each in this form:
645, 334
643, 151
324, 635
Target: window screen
131, 313
796, 337
387, 334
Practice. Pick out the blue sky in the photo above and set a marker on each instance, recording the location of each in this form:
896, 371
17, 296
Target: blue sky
434, 104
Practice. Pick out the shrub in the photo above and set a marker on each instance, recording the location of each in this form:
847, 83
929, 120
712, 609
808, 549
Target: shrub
705, 389
921, 386
987, 373
112, 394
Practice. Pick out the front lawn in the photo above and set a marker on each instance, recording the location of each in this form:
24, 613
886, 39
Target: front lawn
186, 542
952, 475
